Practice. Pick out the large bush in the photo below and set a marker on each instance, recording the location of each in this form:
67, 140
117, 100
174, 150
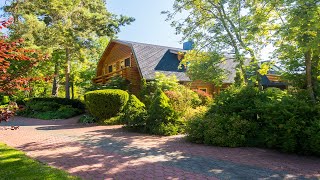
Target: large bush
162, 119
228, 130
52, 108
134, 114
105, 104
246, 116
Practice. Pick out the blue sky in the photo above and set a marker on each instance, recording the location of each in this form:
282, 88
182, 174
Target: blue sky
150, 26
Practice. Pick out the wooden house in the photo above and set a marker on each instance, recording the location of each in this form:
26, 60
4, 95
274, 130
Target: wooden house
135, 61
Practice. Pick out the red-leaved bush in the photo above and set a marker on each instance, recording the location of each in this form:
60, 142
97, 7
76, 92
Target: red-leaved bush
206, 98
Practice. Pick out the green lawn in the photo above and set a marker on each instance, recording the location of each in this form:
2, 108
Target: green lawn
15, 164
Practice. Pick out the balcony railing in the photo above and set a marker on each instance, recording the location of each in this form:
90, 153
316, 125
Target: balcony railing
106, 77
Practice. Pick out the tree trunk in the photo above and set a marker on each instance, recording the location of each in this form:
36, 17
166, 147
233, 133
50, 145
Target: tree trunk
308, 63
315, 73
55, 83
72, 90
67, 74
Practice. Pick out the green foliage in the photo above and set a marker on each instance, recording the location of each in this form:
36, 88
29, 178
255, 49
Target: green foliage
162, 82
241, 27
134, 114
70, 32
52, 108
105, 104
204, 66
62, 101
16, 165
162, 119
116, 82
115, 120
205, 98
5, 100
245, 116
228, 130
87, 119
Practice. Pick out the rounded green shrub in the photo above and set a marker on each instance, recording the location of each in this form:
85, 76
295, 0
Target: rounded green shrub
105, 104
134, 113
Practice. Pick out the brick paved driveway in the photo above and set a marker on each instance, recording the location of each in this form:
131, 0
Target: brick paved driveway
108, 152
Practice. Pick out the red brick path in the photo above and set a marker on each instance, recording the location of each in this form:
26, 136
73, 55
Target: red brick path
108, 152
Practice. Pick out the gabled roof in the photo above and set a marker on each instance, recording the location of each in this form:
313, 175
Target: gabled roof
154, 58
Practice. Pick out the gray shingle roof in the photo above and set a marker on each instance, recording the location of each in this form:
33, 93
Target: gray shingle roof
162, 59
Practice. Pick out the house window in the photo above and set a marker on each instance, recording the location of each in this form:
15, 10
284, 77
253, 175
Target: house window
203, 89
127, 62
110, 69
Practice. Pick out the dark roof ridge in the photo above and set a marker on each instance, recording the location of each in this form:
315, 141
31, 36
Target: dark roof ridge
133, 42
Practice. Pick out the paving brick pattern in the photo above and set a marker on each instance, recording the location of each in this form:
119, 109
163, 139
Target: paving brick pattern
109, 152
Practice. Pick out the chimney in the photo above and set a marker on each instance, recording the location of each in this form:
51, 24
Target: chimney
188, 45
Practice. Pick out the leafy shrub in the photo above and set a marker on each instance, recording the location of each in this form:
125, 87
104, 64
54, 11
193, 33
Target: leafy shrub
162, 119
190, 113
5, 100
22, 102
51, 108
116, 82
87, 119
206, 98
42, 106
115, 120
284, 121
62, 101
134, 114
245, 116
229, 130
105, 104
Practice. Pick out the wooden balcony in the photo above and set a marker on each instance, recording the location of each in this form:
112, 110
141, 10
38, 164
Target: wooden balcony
106, 77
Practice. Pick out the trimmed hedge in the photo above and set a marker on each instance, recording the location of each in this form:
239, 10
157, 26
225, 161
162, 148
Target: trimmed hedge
105, 104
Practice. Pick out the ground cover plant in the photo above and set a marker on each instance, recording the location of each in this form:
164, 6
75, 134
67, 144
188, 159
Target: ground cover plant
15, 164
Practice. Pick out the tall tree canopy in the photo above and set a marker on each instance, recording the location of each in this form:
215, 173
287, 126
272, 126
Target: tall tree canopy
237, 27
66, 29
298, 41
245, 27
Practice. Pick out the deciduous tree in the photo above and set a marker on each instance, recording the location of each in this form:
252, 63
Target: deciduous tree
62, 25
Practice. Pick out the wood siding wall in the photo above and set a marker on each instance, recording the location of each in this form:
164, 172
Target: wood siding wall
211, 89
114, 54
